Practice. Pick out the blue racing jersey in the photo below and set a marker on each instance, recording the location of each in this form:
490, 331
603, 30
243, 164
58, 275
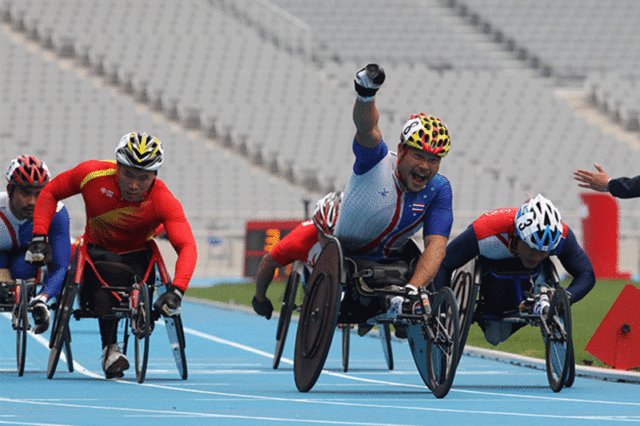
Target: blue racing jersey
377, 218
15, 237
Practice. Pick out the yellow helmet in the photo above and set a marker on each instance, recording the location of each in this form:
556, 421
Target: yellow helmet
426, 133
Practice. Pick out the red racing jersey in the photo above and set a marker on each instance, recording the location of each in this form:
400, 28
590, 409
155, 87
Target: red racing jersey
116, 224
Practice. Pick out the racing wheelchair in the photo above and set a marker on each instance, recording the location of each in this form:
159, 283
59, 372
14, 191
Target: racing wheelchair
336, 294
135, 304
555, 326
300, 273
14, 298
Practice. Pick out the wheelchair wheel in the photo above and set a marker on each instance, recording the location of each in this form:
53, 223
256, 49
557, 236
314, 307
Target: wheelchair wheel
318, 317
385, 339
559, 344
465, 292
571, 375
443, 350
288, 306
142, 317
179, 353
346, 335
22, 325
60, 334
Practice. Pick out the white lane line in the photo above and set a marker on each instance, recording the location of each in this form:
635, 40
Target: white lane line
635, 419
182, 414
388, 383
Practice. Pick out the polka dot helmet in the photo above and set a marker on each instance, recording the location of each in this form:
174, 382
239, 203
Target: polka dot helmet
426, 133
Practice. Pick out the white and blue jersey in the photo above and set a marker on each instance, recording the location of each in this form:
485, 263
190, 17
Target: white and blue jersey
15, 237
377, 218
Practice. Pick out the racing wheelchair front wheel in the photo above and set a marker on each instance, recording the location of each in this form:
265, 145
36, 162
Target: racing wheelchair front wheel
434, 343
559, 341
443, 347
465, 291
21, 326
288, 306
143, 321
60, 334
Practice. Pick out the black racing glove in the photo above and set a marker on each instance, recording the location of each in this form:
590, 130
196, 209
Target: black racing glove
368, 80
168, 304
40, 313
39, 252
264, 309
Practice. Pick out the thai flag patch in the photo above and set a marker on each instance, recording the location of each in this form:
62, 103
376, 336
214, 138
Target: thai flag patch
417, 207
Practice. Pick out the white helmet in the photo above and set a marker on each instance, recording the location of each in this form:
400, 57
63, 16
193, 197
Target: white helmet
325, 214
539, 224
141, 151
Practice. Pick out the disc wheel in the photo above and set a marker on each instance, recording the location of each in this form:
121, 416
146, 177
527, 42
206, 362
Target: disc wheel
465, 292
143, 320
318, 317
288, 306
22, 326
443, 350
559, 344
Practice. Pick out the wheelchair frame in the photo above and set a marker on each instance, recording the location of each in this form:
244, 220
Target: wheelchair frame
138, 315
555, 327
433, 335
301, 271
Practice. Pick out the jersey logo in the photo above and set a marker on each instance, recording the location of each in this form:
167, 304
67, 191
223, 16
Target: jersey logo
417, 207
107, 192
384, 192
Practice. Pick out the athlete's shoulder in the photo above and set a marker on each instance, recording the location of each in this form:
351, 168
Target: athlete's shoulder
494, 222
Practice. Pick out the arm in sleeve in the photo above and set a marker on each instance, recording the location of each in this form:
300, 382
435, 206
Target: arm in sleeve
577, 263
60, 187
60, 241
460, 251
181, 238
625, 187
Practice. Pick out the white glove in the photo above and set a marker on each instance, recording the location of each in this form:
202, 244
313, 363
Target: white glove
368, 80
413, 291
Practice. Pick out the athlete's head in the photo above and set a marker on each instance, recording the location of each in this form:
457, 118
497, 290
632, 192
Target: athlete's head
140, 151
139, 157
539, 228
325, 214
424, 141
26, 176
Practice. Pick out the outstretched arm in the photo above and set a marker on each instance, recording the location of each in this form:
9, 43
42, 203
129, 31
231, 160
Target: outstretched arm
365, 113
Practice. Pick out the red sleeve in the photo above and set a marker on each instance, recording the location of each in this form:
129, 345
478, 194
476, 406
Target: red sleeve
296, 245
181, 238
60, 187
495, 222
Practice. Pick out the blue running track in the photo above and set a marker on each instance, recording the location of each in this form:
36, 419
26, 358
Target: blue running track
231, 382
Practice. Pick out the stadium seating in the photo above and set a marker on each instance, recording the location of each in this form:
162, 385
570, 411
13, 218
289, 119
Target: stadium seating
232, 105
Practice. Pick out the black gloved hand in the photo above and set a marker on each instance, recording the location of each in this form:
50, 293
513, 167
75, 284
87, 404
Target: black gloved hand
368, 80
39, 252
168, 304
264, 309
40, 313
